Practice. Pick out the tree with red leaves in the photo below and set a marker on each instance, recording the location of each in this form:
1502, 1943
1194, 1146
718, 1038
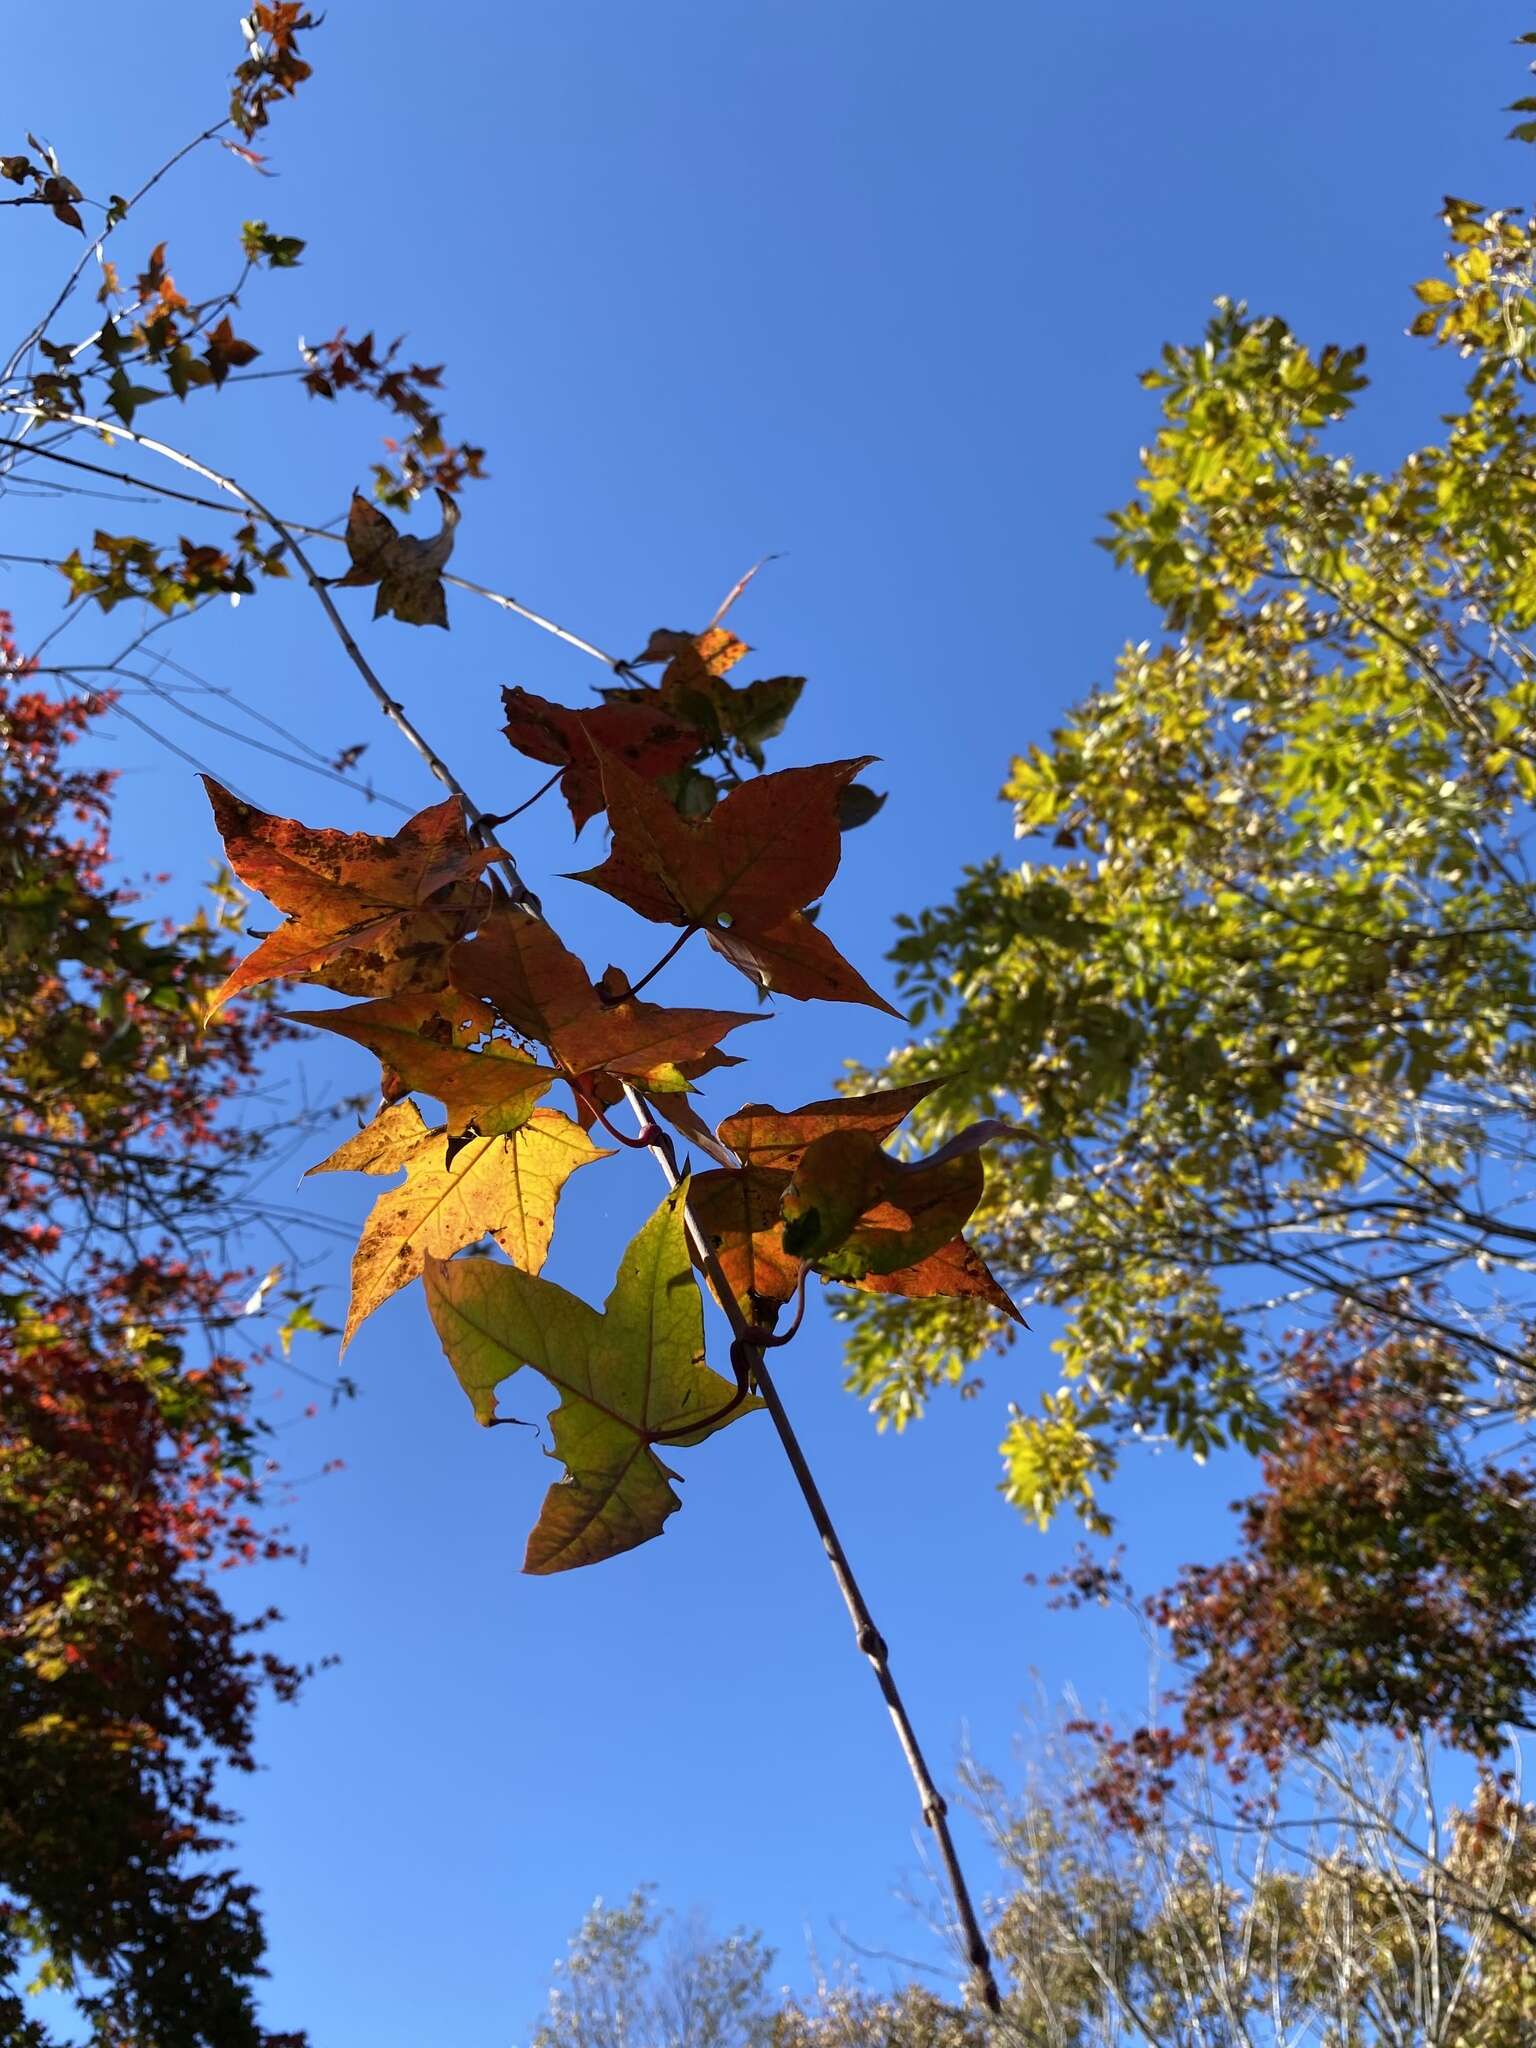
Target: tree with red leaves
1385, 1579
129, 1467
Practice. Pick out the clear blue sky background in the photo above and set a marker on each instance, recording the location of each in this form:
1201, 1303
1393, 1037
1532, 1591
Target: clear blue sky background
868, 284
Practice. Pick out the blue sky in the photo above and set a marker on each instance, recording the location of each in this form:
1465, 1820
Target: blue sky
868, 285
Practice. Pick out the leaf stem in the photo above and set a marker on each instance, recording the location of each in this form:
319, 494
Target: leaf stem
868, 1637
747, 1341
505, 817
651, 973
637, 1144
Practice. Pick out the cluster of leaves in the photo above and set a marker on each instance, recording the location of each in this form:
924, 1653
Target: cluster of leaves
191, 346
126, 568
44, 184
129, 1464
423, 458
272, 68
1264, 998
1383, 1580
469, 997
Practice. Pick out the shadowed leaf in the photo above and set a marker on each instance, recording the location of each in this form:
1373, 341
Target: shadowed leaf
408, 571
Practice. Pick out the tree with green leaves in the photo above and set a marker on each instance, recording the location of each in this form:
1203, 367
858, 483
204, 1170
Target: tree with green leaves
1261, 991
1360, 1909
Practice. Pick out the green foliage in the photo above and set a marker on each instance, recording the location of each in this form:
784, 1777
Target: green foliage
1263, 997
1374, 1916
622, 1983
628, 1379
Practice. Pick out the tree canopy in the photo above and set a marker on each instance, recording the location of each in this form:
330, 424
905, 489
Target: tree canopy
1261, 991
1265, 1003
131, 1470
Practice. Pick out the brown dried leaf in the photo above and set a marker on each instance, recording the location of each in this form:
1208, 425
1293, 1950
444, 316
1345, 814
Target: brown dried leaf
408, 571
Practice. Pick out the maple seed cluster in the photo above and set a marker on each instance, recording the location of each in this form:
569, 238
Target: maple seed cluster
470, 999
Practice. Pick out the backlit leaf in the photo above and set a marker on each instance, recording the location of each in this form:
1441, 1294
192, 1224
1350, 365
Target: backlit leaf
625, 1377
956, 1268
542, 990
494, 1088
366, 915
640, 734
761, 1136
505, 1188
796, 958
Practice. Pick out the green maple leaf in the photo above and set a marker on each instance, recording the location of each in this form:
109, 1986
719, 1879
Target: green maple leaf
628, 1378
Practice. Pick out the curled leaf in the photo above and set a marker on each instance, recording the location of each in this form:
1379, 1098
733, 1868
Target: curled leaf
408, 570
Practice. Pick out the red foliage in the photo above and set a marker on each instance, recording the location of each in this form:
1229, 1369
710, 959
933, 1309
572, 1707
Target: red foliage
1383, 1579
127, 1466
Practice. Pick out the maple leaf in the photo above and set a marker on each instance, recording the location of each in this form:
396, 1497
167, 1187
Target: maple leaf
627, 1378
852, 1209
739, 1209
815, 1187
716, 650
226, 351
742, 874
955, 1268
443, 1016
493, 1088
505, 1188
797, 959
408, 570
778, 1138
693, 690
366, 915
768, 848
518, 965
637, 733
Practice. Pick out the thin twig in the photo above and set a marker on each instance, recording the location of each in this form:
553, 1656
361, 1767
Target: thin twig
286, 526
747, 1346
867, 1636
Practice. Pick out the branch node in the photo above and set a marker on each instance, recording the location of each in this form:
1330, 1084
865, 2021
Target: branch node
872, 1643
